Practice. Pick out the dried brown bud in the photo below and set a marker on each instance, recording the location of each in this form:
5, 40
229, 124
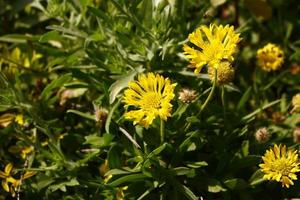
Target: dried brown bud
295, 69
187, 95
262, 135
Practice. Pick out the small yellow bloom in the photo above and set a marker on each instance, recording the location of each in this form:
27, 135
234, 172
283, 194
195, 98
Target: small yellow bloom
214, 44
270, 57
150, 96
280, 165
19, 119
296, 103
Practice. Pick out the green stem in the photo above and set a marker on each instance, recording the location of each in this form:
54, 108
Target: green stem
223, 99
206, 101
162, 130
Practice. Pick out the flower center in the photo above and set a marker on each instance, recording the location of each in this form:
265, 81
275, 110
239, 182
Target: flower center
282, 166
151, 100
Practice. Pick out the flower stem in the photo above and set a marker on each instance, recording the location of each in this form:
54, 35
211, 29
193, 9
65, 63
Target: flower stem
206, 101
162, 130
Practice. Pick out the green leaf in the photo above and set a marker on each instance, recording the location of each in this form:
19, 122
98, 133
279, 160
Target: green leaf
15, 38
244, 98
214, 186
197, 164
158, 150
97, 142
128, 178
256, 178
57, 83
51, 35
192, 119
236, 184
185, 190
114, 157
62, 186
121, 83
82, 114
257, 111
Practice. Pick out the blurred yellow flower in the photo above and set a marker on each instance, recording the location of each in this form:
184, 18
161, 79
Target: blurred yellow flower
213, 45
150, 96
280, 165
270, 57
296, 103
9, 183
19, 119
16, 57
23, 150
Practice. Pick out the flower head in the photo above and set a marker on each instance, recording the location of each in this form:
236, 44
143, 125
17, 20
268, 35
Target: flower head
150, 97
214, 44
225, 73
270, 57
280, 165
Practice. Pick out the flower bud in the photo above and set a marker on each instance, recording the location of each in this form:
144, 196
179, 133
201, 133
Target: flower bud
225, 73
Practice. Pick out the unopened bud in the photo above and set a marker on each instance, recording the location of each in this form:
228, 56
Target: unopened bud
225, 73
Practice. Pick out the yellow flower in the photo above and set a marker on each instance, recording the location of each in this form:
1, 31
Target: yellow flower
214, 44
280, 165
20, 119
9, 179
150, 96
270, 57
23, 150
296, 103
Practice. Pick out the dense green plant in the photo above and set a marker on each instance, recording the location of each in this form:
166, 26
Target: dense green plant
64, 67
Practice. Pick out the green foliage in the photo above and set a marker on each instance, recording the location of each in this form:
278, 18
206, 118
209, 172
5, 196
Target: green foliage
77, 57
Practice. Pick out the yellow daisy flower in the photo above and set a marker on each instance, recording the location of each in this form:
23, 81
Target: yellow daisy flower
214, 44
280, 165
150, 95
270, 57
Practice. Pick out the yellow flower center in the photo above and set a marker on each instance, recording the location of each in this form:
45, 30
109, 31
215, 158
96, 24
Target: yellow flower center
282, 166
150, 101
